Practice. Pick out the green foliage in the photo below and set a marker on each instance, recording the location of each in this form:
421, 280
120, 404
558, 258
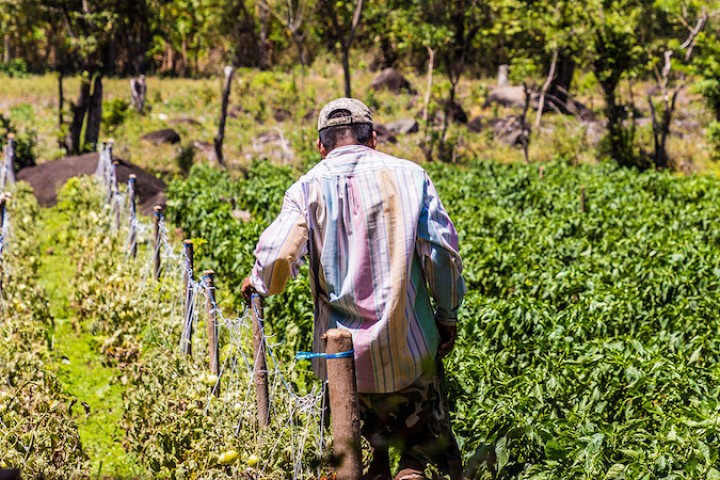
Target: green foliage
25, 140
185, 158
713, 134
710, 90
115, 112
38, 433
15, 68
587, 339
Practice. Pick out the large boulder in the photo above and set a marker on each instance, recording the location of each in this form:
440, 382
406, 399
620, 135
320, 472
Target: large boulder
403, 126
47, 178
511, 131
166, 135
508, 96
273, 144
392, 80
384, 135
281, 114
476, 124
455, 111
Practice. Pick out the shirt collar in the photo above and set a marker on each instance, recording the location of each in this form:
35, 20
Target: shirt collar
347, 150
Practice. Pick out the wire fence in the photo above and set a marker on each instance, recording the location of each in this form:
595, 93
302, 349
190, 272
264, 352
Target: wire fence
7, 184
297, 420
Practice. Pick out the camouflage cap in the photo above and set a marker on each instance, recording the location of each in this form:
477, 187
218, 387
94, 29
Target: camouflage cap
359, 113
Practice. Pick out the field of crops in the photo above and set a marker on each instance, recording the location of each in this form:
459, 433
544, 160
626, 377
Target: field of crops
589, 334
588, 344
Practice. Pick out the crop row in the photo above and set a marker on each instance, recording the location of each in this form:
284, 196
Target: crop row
37, 430
589, 334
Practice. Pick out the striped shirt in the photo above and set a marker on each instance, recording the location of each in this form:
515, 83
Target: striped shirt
380, 247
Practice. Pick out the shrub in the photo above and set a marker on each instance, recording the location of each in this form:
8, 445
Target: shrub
115, 112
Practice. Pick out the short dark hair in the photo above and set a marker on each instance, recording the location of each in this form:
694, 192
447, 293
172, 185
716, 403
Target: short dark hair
360, 133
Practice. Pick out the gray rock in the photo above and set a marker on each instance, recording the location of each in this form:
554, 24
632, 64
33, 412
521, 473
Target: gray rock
384, 135
281, 114
403, 126
509, 96
392, 80
273, 144
476, 124
511, 131
456, 113
167, 135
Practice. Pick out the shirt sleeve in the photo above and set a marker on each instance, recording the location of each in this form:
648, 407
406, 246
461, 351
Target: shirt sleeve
437, 246
279, 251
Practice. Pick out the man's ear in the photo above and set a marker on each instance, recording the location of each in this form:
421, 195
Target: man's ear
321, 148
373, 140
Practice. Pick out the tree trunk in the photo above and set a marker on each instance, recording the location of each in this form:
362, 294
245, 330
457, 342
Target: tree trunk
6, 48
427, 144
220, 137
183, 69
61, 105
78, 110
264, 42
94, 116
346, 70
558, 94
619, 137
543, 91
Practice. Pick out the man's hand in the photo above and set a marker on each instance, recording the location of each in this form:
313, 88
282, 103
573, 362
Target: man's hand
448, 335
247, 289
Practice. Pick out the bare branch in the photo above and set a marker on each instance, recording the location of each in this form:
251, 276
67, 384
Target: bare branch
355, 22
546, 85
689, 44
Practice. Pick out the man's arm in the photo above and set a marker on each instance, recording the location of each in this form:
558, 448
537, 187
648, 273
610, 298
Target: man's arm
437, 245
279, 251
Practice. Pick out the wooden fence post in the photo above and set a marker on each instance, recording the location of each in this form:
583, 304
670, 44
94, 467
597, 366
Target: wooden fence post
220, 137
156, 241
3, 206
260, 366
189, 302
132, 237
8, 173
116, 196
344, 406
209, 280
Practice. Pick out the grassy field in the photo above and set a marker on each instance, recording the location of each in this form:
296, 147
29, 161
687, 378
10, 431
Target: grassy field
31, 103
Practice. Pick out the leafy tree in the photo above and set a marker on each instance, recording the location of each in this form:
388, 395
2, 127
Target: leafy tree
615, 35
338, 23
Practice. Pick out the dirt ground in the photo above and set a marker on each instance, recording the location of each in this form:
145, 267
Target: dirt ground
47, 178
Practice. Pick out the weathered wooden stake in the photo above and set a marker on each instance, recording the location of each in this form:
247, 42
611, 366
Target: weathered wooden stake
582, 199
261, 384
344, 406
3, 206
116, 196
189, 303
220, 137
8, 174
209, 280
138, 89
541, 172
132, 238
156, 241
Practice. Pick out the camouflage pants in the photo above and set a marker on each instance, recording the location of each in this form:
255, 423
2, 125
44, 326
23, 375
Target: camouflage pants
416, 420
